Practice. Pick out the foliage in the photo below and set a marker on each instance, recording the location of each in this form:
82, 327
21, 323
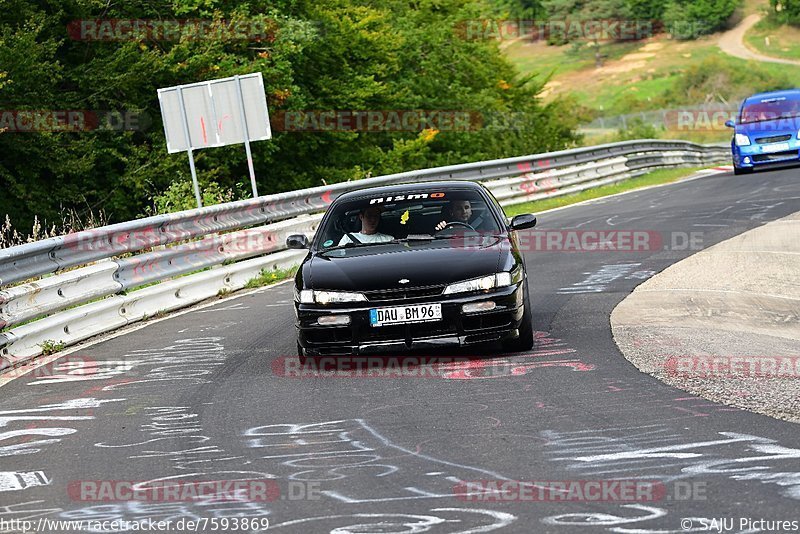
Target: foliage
719, 81
267, 277
637, 129
689, 19
318, 55
786, 11
49, 346
684, 19
521, 9
646, 9
584, 11
179, 196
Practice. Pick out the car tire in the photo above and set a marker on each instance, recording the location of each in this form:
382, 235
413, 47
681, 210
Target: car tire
739, 170
301, 354
525, 340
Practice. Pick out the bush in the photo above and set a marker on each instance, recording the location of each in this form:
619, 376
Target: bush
637, 129
179, 196
646, 9
689, 19
786, 11
716, 80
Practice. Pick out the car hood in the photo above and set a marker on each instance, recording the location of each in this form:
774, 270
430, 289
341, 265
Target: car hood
421, 263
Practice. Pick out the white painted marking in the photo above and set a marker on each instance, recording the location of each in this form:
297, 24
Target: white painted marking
19, 480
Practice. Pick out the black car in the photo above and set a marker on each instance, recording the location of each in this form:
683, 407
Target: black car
412, 266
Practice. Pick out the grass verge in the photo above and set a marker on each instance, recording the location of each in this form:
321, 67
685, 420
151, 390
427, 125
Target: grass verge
270, 277
661, 176
774, 39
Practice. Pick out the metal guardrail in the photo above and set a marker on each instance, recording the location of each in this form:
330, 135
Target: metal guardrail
255, 227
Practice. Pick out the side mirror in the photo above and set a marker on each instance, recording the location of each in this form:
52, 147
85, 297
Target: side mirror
730, 124
521, 222
297, 241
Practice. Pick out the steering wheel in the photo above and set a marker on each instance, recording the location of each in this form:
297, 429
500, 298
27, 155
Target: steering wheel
456, 223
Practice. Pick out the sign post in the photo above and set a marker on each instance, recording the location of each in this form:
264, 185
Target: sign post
215, 113
195, 185
246, 136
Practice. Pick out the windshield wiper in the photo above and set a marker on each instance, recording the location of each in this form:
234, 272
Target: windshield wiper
414, 237
353, 245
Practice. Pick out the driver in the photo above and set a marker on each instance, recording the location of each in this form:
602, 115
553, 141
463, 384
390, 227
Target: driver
456, 211
370, 219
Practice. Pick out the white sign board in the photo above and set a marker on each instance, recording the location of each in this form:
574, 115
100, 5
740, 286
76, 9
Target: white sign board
214, 113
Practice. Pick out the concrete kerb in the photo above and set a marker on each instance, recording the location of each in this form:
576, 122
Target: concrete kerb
739, 299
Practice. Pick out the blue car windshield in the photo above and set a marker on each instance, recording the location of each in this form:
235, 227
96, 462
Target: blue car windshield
368, 221
770, 109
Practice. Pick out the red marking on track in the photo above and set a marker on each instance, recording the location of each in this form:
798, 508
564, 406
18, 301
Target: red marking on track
516, 366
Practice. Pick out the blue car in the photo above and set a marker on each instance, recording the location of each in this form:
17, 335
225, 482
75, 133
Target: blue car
767, 131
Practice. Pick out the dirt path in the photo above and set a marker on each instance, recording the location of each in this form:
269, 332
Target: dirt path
732, 43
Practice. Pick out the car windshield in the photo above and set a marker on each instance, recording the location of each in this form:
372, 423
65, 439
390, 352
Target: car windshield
407, 216
770, 109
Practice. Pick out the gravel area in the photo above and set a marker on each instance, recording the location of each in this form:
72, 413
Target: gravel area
724, 324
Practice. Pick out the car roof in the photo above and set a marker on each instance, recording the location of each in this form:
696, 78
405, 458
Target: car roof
789, 94
387, 190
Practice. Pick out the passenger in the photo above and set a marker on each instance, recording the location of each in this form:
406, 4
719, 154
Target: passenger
370, 219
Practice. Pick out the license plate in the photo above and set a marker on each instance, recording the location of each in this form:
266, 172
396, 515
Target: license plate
405, 314
777, 147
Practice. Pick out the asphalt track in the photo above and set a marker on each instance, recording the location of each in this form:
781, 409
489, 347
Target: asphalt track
201, 397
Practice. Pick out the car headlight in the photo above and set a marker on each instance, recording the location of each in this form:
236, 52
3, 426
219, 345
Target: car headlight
479, 284
308, 296
742, 140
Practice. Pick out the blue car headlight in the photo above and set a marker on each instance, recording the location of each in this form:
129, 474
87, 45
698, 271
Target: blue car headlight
742, 140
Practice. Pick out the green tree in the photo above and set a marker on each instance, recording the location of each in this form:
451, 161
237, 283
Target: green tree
689, 19
521, 9
589, 17
316, 55
651, 10
786, 11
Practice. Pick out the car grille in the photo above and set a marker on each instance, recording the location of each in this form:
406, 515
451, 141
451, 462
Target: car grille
480, 322
775, 139
405, 293
401, 332
777, 156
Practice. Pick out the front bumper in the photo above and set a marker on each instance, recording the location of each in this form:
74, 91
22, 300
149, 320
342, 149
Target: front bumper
755, 155
455, 329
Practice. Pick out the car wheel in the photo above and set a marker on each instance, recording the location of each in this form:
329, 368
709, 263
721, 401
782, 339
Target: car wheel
301, 354
525, 340
739, 170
